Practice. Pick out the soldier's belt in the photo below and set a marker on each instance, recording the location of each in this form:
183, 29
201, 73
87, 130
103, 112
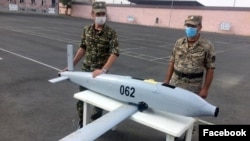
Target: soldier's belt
189, 75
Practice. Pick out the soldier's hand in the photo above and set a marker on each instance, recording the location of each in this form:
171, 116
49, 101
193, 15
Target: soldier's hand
203, 93
97, 72
166, 82
65, 69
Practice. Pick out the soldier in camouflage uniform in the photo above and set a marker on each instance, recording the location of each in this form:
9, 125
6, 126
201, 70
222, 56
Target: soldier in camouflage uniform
192, 63
99, 47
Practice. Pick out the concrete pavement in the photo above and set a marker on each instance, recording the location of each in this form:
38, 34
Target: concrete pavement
33, 49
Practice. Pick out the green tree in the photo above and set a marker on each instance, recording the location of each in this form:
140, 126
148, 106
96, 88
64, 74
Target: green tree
66, 3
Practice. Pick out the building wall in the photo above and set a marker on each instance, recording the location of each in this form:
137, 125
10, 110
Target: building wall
219, 20
28, 3
214, 20
34, 6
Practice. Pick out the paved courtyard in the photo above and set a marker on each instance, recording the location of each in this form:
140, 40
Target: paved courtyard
33, 50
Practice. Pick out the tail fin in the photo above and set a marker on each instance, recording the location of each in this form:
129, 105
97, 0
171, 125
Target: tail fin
70, 57
70, 65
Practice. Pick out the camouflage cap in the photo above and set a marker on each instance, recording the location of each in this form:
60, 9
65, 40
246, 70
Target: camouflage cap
99, 7
193, 20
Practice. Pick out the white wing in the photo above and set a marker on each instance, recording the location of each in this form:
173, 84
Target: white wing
58, 79
102, 125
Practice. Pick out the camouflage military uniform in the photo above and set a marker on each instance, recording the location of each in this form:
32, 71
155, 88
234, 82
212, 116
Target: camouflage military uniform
191, 61
98, 46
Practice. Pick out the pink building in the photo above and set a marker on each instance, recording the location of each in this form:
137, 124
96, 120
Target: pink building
215, 19
224, 20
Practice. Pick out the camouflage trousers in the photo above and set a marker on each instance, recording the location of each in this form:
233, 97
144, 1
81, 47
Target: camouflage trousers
96, 111
193, 85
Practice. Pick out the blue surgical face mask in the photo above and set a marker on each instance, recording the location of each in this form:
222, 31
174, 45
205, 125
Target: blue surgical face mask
191, 32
